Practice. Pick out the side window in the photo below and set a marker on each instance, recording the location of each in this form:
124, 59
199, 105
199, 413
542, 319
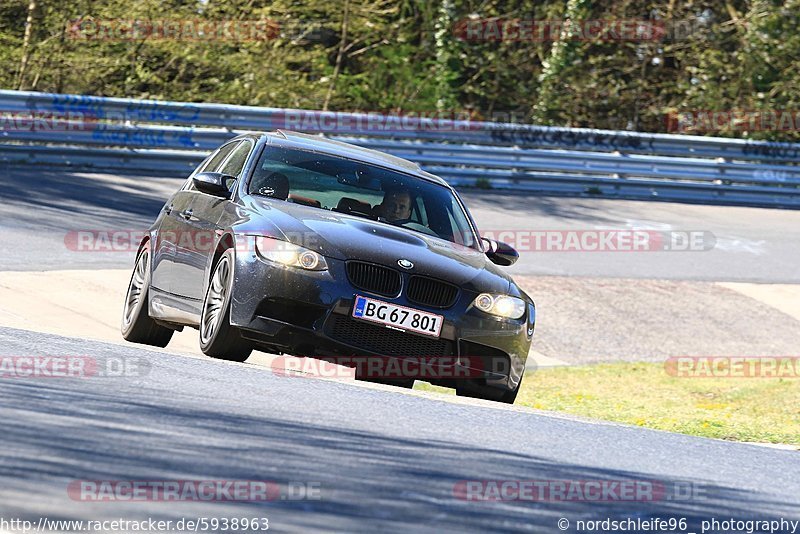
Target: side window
203, 164
211, 163
189, 185
235, 163
219, 157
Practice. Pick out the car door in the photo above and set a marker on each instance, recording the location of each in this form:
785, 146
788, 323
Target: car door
176, 241
165, 239
200, 223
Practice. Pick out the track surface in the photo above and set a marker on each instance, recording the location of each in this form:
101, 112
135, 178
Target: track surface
383, 459
756, 245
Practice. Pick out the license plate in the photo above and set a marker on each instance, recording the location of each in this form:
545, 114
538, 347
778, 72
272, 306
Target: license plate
398, 317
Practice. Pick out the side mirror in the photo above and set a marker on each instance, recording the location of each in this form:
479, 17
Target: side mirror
499, 253
213, 183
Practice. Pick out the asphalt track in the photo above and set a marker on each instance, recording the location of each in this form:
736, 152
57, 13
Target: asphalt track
383, 459
40, 207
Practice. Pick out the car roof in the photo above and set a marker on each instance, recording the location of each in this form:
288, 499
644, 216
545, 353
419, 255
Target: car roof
317, 143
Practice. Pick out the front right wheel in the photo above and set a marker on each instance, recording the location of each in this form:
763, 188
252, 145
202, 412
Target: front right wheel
218, 338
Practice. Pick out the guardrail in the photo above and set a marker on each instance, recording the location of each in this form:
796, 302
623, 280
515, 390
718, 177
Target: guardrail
171, 138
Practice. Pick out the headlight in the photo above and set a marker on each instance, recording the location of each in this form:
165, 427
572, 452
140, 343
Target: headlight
290, 254
500, 305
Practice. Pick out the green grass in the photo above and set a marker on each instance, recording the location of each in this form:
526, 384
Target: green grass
643, 394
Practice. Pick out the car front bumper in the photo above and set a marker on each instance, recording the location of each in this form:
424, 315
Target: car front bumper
308, 313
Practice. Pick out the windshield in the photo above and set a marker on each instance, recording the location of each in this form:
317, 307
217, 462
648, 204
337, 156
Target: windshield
359, 189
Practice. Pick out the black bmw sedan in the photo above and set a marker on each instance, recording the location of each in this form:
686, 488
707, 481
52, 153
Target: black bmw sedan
295, 244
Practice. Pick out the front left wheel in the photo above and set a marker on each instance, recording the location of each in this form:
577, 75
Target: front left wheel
218, 338
137, 325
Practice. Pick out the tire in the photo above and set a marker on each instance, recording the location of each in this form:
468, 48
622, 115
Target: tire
137, 325
218, 338
489, 393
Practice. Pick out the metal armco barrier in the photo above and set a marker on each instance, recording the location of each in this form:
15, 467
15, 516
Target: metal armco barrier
171, 138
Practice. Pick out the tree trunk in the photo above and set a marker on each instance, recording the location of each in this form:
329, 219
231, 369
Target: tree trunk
561, 57
443, 27
26, 45
339, 55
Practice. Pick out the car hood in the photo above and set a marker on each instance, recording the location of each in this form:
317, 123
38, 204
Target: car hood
347, 237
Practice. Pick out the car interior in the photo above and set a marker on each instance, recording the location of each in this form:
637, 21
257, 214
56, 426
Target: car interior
355, 190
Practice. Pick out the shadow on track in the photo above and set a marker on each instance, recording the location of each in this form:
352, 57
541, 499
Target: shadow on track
368, 480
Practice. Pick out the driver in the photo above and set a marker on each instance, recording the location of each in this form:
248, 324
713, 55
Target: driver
396, 205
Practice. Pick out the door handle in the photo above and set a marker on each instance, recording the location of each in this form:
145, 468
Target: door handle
186, 214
